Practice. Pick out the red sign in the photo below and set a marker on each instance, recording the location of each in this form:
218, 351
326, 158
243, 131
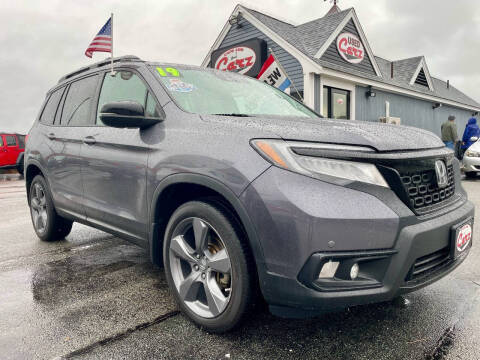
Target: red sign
239, 59
464, 237
350, 48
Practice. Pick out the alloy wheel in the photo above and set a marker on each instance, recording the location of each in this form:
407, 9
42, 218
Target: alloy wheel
200, 267
38, 207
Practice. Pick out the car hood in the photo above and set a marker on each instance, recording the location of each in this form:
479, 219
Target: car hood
382, 137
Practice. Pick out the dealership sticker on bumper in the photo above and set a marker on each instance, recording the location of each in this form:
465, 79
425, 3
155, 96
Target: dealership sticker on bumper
462, 239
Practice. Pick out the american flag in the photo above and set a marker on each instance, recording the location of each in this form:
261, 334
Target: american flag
102, 42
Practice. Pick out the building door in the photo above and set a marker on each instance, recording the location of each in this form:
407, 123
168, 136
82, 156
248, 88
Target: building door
336, 103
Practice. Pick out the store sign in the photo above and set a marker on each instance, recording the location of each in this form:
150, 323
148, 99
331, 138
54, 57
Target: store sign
244, 58
238, 59
350, 48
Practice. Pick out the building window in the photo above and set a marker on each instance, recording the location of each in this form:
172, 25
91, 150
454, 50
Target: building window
336, 103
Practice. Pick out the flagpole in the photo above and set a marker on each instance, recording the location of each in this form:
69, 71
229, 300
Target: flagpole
111, 54
281, 66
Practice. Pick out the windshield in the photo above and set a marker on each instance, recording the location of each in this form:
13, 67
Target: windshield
224, 93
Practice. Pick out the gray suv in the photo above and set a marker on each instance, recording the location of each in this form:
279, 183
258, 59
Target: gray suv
241, 192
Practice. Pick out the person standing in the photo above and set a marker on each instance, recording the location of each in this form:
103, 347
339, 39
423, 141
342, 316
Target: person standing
449, 132
471, 130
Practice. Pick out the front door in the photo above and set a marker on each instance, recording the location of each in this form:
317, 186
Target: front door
114, 173
336, 103
12, 149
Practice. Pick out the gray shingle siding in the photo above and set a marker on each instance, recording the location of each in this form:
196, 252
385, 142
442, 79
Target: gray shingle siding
413, 112
248, 31
331, 55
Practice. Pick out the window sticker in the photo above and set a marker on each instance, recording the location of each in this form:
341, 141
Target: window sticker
180, 86
168, 72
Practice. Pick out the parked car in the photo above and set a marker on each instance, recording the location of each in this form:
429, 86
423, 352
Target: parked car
240, 190
471, 159
12, 149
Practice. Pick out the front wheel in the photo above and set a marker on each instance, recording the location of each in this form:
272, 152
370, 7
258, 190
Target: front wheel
48, 225
206, 265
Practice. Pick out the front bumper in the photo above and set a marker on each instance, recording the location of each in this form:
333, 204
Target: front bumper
302, 221
471, 164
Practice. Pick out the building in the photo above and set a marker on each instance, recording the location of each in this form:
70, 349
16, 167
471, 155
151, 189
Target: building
334, 70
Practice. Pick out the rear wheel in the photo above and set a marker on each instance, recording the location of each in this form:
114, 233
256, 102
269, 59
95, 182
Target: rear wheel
206, 265
48, 225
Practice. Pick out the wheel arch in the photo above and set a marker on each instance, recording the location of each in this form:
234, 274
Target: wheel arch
211, 187
33, 169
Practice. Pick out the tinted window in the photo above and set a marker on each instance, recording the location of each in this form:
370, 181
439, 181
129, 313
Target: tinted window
1, 141
124, 85
77, 106
11, 140
48, 114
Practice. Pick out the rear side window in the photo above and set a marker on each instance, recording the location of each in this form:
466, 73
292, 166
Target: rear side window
1, 140
11, 140
77, 108
125, 85
48, 114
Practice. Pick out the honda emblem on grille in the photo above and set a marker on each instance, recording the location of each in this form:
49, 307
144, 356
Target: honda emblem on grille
441, 171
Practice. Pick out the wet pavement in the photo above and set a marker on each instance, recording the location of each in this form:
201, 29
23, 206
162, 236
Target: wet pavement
96, 296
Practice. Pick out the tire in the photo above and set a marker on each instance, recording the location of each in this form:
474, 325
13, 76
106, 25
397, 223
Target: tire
48, 225
471, 174
223, 239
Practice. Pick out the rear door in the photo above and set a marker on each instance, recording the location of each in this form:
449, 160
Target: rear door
12, 149
114, 172
72, 118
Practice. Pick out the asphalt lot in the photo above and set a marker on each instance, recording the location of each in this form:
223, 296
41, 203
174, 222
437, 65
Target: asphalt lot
96, 296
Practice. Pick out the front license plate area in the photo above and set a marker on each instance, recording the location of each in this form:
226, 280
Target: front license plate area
461, 239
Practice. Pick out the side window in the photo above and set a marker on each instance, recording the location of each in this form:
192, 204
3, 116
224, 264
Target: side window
77, 106
1, 141
124, 85
48, 114
11, 140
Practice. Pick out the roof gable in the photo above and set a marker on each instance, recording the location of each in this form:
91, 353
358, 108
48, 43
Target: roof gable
332, 53
350, 18
422, 69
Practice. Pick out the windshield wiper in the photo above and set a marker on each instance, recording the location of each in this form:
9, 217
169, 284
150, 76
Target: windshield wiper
233, 114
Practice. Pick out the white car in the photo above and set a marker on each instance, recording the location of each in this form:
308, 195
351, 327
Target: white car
471, 159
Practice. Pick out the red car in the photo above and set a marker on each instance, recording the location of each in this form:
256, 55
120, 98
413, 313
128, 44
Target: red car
12, 147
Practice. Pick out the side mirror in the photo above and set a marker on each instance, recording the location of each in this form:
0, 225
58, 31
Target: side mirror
474, 138
126, 114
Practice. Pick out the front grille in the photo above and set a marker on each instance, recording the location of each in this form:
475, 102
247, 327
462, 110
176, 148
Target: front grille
422, 188
429, 264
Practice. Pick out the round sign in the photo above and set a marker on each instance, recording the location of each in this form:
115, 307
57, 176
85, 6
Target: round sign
350, 48
239, 59
464, 237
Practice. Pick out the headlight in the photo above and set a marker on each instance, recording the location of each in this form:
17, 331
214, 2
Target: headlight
279, 153
471, 153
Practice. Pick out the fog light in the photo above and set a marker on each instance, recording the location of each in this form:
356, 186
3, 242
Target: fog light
328, 269
354, 271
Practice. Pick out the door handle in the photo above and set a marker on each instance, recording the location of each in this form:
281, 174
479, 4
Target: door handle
89, 140
51, 136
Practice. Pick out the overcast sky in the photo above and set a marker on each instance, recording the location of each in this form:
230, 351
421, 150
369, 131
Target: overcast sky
42, 40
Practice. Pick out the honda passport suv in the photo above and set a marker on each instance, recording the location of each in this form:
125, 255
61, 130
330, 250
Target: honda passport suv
238, 190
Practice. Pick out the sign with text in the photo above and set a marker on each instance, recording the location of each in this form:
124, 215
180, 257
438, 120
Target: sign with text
245, 58
350, 48
273, 74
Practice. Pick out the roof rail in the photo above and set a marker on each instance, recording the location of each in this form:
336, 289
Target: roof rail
100, 64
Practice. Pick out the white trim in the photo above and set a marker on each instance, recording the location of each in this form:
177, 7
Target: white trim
350, 16
422, 65
395, 89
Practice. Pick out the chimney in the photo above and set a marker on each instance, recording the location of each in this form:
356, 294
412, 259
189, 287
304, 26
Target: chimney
391, 69
448, 84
